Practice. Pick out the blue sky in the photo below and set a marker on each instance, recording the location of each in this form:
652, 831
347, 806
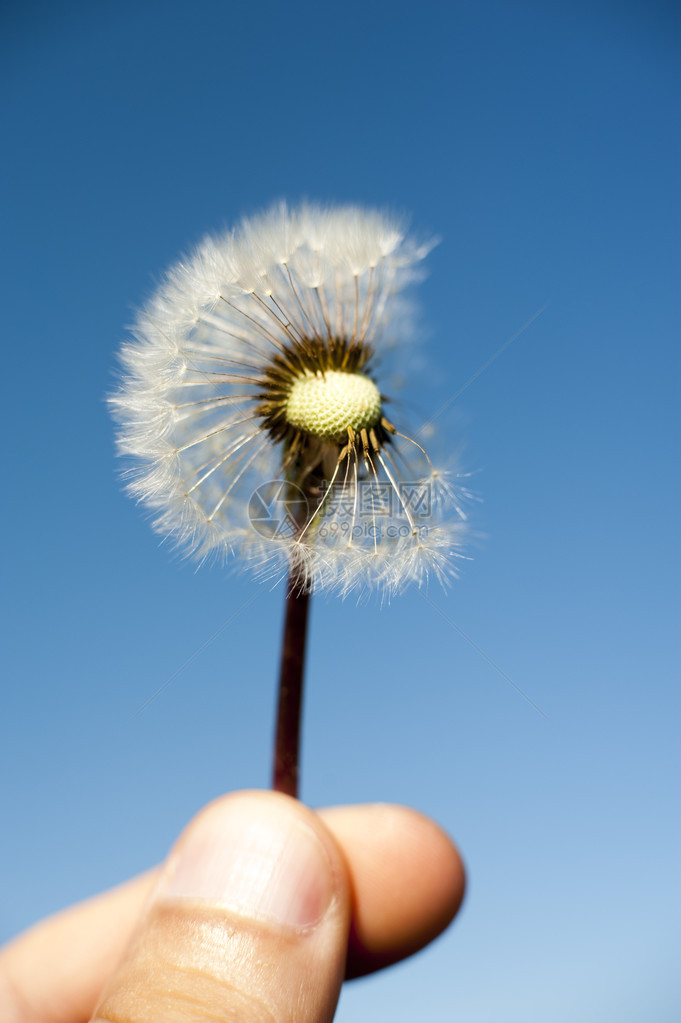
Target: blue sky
537, 140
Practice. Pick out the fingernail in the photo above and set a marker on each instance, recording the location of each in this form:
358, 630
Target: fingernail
256, 857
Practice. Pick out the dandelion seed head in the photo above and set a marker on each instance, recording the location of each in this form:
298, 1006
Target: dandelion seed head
251, 418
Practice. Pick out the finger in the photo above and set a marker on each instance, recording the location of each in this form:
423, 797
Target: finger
55, 972
407, 881
249, 922
407, 878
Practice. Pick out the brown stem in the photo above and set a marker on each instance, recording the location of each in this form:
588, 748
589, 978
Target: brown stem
287, 740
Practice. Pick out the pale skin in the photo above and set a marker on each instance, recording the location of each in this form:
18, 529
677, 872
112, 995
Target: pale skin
379, 883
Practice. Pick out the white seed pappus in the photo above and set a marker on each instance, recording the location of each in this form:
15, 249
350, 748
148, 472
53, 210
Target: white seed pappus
255, 363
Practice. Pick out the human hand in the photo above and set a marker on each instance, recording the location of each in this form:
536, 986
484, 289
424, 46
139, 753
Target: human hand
251, 918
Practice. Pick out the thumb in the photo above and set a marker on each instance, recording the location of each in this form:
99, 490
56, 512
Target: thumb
249, 922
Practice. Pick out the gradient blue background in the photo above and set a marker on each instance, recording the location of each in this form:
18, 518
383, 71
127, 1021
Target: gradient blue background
538, 140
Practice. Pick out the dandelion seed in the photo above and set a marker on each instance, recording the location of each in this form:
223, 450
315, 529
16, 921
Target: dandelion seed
252, 412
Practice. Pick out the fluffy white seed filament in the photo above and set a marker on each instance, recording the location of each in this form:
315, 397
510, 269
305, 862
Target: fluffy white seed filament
252, 363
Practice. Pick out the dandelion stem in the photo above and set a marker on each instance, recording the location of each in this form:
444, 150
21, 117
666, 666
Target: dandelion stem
287, 740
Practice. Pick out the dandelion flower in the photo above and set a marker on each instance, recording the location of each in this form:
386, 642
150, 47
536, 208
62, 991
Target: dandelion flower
252, 411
